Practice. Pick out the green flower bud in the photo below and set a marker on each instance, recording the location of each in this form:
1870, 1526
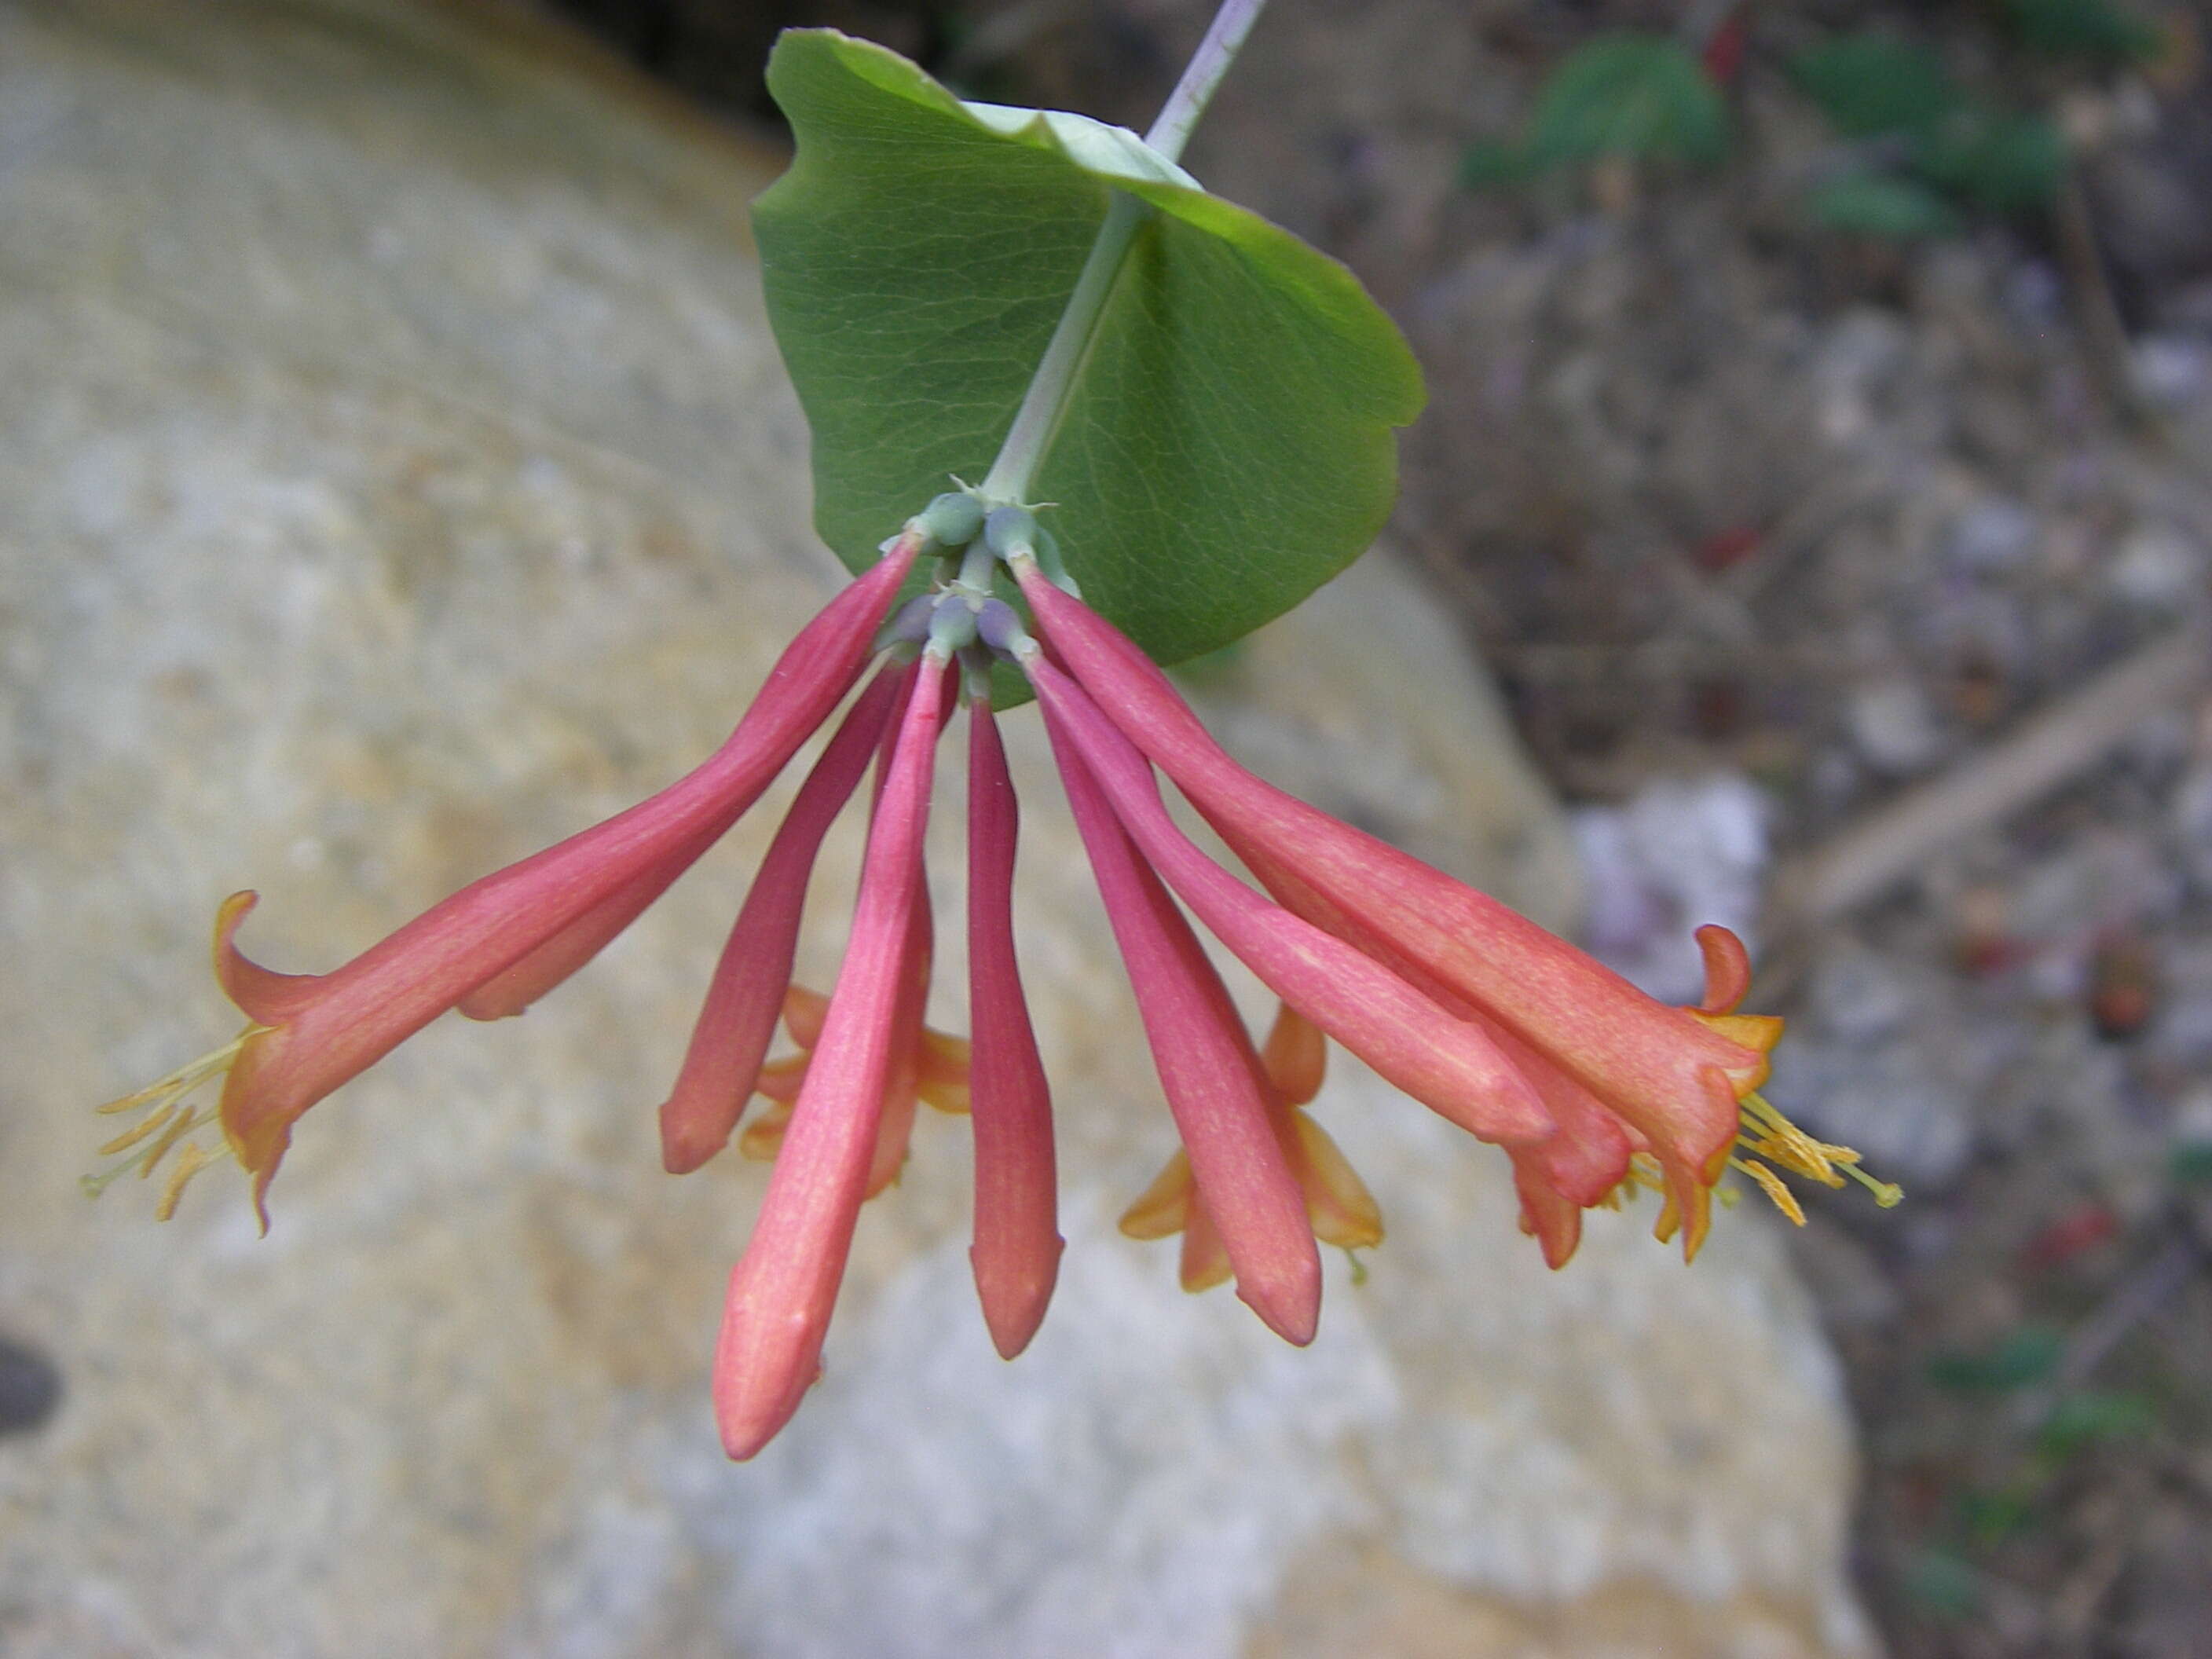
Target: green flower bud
1008, 528
952, 519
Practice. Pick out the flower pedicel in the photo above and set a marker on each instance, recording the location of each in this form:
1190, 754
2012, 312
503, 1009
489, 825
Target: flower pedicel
1592, 1088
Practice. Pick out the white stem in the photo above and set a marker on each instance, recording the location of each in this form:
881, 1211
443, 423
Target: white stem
1224, 40
1045, 403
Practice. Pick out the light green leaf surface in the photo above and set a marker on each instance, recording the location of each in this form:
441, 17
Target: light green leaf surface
1229, 446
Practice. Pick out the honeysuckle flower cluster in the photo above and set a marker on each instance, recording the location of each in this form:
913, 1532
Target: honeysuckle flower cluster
1592, 1088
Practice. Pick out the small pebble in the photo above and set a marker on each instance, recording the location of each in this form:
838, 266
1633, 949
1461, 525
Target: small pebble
30, 1388
1893, 726
1990, 535
2156, 567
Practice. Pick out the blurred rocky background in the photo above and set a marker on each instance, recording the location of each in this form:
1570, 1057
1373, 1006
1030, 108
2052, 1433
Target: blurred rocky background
397, 475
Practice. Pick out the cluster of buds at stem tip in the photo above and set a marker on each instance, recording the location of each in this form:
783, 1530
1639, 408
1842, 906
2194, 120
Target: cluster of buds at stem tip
1592, 1088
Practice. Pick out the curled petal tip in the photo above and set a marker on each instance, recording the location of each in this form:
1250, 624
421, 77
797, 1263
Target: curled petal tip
1727, 969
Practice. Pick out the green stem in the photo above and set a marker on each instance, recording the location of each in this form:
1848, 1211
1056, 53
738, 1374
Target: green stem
1045, 404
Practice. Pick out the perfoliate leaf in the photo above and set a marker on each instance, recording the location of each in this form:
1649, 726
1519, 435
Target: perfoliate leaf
1642, 95
1881, 204
1228, 446
1872, 84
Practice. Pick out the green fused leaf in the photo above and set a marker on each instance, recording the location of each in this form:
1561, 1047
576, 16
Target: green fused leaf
1228, 445
1883, 204
2023, 1357
1870, 85
1642, 95
2081, 28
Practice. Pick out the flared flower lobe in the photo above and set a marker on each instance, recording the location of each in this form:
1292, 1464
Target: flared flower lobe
324, 1029
1674, 1077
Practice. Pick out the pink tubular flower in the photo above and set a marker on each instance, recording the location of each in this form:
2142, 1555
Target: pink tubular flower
309, 1033
784, 1286
1017, 1245
1207, 1070
1590, 1087
1636, 1093
1338, 1207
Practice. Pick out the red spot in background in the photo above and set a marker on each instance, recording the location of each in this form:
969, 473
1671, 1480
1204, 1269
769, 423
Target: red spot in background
2082, 1228
1728, 548
1724, 53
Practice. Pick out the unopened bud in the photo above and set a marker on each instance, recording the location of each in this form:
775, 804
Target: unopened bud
952, 519
1008, 528
909, 624
998, 625
1053, 566
951, 624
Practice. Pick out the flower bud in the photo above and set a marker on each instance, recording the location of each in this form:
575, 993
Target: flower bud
952, 519
1008, 528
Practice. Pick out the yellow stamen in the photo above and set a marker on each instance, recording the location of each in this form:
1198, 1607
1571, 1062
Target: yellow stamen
132, 1137
189, 1162
1770, 1184
1767, 1134
186, 1079
170, 1136
168, 1119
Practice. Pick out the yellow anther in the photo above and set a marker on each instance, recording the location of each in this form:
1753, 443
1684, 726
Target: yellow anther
1770, 1184
189, 1162
176, 1132
138, 1132
1767, 1134
168, 1119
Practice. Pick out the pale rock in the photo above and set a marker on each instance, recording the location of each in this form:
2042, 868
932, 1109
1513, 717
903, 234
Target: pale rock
1893, 725
1679, 855
400, 476
2157, 567
1993, 535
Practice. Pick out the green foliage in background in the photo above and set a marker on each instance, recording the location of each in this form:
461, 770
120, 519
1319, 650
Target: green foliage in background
1929, 153
2081, 28
2024, 1357
1931, 148
1641, 96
